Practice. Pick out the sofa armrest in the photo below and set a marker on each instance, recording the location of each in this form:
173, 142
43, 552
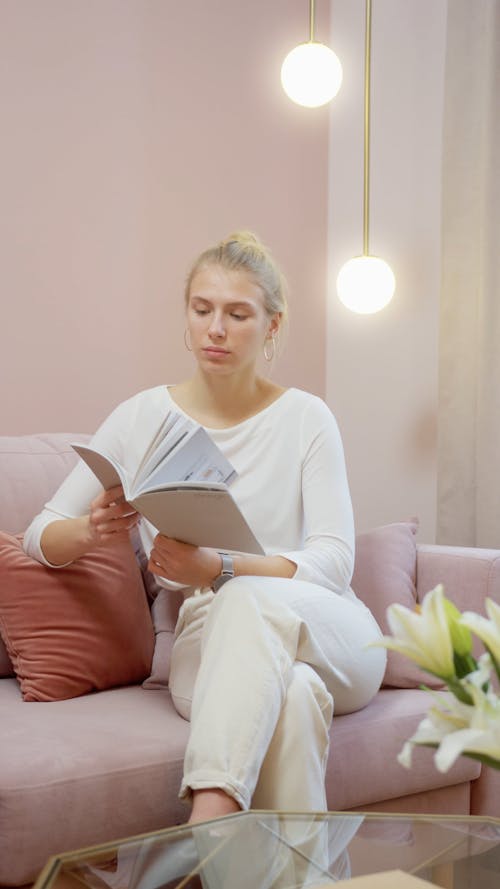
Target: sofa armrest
468, 574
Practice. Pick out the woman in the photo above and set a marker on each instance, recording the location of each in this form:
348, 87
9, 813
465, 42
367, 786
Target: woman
266, 646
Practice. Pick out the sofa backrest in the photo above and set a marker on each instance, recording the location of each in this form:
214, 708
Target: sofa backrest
31, 469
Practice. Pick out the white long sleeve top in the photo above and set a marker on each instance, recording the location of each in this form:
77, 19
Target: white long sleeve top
291, 484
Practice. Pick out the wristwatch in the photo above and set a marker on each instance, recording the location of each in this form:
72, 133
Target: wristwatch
226, 574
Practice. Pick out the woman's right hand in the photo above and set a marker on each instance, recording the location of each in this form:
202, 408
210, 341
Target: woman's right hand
111, 518
108, 522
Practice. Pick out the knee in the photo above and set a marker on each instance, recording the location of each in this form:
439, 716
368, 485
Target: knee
240, 593
247, 607
246, 585
232, 597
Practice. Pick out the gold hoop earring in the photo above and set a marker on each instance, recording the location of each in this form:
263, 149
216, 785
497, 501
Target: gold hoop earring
186, 343
267, 356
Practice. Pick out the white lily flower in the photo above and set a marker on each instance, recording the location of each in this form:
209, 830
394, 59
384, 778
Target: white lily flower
447, 715
456, 728
486, 705
487, 630
423, 637
483, 735
466, 721
480, 741
482, 675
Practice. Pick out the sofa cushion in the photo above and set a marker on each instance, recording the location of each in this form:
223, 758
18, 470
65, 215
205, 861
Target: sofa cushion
384, 573
76, 629
363, 767
84, 771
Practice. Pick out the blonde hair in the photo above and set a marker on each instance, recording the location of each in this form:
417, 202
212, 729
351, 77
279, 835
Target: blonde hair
243, 251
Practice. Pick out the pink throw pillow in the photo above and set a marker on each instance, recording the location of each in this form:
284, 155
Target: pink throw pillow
73, 630
385, 570
164, 611
6, 668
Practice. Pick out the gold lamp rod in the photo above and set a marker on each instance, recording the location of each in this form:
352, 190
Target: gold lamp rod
366, 191
311, 21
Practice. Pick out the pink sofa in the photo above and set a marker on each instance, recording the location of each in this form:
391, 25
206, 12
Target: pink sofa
108, 764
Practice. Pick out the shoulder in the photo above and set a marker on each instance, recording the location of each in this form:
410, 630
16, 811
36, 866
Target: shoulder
314, 424
157, 395
310, 406
138, 406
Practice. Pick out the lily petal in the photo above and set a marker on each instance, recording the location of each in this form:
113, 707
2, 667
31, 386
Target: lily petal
487, 630
423, 637
471, 740
405, 755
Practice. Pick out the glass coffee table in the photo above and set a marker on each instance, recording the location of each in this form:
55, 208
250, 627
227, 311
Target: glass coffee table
273, 850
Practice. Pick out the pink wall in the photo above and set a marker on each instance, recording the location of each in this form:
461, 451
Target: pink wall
134, 134
382, 370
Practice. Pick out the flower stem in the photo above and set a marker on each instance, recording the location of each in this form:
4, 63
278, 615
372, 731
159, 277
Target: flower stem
459, 691
464, 664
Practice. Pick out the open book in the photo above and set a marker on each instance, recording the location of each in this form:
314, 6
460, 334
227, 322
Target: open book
181, 487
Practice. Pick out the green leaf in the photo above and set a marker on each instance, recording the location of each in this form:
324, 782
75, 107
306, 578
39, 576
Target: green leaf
464, 664
482, 757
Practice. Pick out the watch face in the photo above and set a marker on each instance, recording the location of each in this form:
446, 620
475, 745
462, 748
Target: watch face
227, 565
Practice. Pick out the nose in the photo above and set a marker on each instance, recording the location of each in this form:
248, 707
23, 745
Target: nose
217, 328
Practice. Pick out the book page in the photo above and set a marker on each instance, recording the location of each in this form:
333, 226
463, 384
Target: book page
170, 432
195, 457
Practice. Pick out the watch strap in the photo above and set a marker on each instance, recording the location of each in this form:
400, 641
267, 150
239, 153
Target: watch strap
227, 572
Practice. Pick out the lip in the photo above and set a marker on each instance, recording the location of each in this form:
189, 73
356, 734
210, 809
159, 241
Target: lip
214, 350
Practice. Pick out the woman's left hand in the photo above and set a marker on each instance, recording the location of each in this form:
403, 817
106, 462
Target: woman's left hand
183, 563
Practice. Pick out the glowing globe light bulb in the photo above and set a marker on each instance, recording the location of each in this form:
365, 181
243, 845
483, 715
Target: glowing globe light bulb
365, 284
311, 74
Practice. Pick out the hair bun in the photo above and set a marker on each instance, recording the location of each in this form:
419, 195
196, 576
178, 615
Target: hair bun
243, 237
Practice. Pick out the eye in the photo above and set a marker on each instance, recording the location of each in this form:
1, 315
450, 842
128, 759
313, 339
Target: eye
238, 317
201, 311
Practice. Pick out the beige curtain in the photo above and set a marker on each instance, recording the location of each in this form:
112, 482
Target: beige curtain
469, 370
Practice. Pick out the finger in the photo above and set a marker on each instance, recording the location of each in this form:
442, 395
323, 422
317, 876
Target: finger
171, 546
155, 567
103, 525
155, 557
112, 495
104, 499
112, 512
117, 510
163, 542
115, 526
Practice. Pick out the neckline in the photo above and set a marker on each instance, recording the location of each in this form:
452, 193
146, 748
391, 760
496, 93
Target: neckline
234, 426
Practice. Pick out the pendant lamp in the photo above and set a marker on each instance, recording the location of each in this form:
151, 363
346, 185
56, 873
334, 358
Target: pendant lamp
365, 284
311, 74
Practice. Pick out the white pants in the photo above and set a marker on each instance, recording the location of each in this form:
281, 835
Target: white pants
258, 669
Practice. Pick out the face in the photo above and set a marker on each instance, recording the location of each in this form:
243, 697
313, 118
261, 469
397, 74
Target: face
227, 321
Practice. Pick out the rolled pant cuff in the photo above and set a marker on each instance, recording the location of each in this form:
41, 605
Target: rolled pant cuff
206, 780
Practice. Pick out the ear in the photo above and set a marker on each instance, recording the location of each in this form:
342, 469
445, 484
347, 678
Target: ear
274, 324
